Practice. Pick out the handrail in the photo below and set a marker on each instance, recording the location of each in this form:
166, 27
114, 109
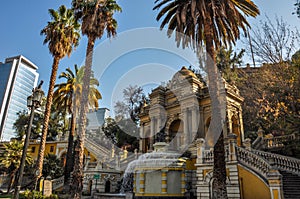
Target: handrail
280, 162
253, 161
273, 142
96, 148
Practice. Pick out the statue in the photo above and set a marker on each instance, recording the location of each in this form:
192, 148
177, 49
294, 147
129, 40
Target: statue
161, 136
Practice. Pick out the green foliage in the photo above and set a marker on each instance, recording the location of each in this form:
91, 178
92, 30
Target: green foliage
122, 133
36, 195
55, 125
21, 125
133, 98
227, 62
272, 98
11, 156
52, 167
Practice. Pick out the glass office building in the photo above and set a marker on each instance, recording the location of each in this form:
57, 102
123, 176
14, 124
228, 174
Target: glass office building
18, 77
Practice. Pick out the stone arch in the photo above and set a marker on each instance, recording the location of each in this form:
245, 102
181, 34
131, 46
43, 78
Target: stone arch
176, 133
146, 141
235, 126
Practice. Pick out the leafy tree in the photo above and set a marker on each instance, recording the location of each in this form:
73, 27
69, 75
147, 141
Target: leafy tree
52, 167
297, 8
273, 43
10, 158
96, 17
117, 133
272, 96
62, 36
227, 62
22, 122
133, 97
213, 23
67, 98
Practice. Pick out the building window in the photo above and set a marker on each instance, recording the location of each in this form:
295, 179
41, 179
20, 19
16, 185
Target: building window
33, 149
51, 149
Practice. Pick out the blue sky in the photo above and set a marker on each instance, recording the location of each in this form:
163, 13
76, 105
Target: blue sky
21, 22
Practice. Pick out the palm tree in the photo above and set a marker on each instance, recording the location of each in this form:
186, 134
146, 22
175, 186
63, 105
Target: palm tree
96, 17
67, 98
10, 158
62, 36
213, 23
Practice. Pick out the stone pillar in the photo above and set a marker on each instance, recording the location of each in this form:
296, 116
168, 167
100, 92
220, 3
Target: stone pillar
142, 183
152, 132
200, 149
260, 132
195, 122
134, 182
182, 182
185, 127
142, 137
118, 165
158, 124
229, 124
247, 144
164, 181
275, 183
232, 147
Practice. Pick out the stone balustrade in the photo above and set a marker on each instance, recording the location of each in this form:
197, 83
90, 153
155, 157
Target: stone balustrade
269, 141
58, 183
280, 162
253, 161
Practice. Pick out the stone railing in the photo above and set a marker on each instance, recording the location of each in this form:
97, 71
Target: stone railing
95, 148
208, 156
278, 141
57, 183
253, 161
280, 162
270, 142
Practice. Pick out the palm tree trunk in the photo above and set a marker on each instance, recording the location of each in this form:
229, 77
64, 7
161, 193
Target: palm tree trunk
77, 185
215, 131
40, 159
11, 180
69, 159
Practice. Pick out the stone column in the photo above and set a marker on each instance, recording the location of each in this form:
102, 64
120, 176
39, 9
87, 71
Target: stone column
164, 181
195, 122
134, 182
142, 182
142, 138
152, 132
182, 182
247, 144
185, 126
275, 183
232, 150
200, 149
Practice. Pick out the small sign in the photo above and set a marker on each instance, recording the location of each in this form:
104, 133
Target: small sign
96, 176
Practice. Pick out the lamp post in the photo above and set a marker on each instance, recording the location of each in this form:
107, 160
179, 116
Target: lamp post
33, 102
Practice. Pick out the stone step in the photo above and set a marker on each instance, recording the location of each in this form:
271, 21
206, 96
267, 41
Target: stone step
291, 185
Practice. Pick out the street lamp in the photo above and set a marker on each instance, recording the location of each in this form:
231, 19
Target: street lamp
33, 102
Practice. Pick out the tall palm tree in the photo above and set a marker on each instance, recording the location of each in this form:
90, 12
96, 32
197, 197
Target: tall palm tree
10, 158
67, 98
213, 23
62, 36
96, 18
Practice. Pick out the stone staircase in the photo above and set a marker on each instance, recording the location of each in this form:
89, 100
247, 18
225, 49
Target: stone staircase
291, 185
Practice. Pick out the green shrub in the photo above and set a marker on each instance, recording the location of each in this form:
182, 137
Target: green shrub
36, 195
